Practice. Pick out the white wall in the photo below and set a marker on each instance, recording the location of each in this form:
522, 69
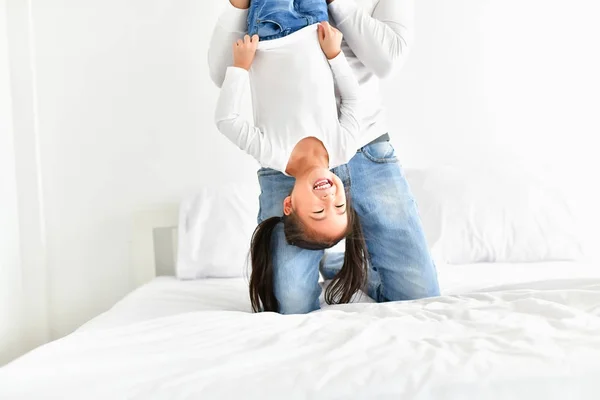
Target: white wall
124, 105
23, 273
124, 109
9, 220
509, 77
513, 83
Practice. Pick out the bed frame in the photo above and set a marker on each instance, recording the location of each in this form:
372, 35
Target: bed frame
154, 243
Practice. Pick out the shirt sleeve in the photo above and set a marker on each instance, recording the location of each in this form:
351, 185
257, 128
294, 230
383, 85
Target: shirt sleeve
230, 27
380, 41
237, 129
349, 97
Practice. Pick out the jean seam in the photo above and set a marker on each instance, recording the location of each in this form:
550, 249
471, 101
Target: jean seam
386, 160
268, 172
259, 218
281, 34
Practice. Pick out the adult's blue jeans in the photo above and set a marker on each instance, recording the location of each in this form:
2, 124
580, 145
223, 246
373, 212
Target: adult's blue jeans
400, 267
273, 19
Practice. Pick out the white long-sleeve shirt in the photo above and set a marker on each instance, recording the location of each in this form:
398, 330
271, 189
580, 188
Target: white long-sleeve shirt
293, 98
377, 37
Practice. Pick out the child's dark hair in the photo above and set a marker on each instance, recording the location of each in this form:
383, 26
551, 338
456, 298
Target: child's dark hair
351, 278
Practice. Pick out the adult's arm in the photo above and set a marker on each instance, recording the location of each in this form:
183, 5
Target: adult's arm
349, 96
381, 41
230, 27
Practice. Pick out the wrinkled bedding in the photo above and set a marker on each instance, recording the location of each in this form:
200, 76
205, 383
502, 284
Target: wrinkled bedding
521, 341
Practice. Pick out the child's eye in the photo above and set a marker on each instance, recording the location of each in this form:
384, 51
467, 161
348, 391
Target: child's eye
320, 212
340, 206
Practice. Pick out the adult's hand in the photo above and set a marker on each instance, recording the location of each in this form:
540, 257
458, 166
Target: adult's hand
243, 4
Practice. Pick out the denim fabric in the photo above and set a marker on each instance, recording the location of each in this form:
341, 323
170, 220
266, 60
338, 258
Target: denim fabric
400, 268
272, 19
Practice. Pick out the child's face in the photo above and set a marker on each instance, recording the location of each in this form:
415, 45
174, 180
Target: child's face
319, 200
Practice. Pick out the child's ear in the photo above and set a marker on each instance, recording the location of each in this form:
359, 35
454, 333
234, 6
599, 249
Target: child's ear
287, 206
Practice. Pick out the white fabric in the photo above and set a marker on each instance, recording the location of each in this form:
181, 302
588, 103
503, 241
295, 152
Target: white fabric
485, 215
166, 296
215, 228
483, 277
468, 215
540, 342
377, 37
293, 98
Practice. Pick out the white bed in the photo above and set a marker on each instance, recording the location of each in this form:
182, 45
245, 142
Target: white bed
499, 331
166, 295
535, 336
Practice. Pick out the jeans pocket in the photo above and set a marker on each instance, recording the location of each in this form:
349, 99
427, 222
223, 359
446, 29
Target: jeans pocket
269, 27
381, 152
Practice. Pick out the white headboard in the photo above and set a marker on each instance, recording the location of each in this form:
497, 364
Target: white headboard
154, 243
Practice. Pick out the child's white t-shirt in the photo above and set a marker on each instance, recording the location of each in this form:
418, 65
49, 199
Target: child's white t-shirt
293, 95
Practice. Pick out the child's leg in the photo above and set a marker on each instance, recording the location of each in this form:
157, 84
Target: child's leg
272, 19
315, 9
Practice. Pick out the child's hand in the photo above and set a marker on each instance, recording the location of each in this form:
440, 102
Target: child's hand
244, 51
330, 39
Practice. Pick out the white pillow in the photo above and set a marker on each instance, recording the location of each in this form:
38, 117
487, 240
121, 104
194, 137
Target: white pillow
475, 215
215, 228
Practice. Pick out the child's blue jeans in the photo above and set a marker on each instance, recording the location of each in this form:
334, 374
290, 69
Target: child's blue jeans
272, 19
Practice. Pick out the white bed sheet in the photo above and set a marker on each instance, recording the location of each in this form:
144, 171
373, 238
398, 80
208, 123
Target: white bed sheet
460, 279
542, 342
166, 296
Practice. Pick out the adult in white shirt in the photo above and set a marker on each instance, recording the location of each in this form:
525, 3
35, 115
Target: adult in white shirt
377, 36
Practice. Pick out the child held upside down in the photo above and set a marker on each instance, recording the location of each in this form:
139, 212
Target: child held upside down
294, 72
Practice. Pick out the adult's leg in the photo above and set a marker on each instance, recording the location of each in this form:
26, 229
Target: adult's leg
331, 264
333, 259
391, 224
401, 267
296, 270
272, 19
